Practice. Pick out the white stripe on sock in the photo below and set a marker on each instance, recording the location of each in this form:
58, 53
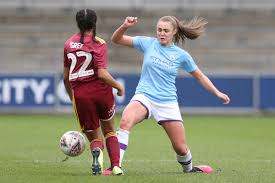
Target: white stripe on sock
123, 138
186, 161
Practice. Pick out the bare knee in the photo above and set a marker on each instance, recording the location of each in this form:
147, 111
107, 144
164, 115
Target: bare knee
134, 113
126, 123
181, 150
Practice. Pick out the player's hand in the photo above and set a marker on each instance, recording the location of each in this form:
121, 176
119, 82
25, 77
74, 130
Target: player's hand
224, 97
120, 90
130, 21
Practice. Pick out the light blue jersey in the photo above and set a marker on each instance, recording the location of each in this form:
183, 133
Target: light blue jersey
159, 69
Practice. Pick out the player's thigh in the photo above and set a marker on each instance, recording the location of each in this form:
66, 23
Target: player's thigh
86, 112
176, 133
106, 110
105, 104
134, 113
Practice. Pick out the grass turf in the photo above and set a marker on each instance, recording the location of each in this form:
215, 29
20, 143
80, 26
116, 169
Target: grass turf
240, 149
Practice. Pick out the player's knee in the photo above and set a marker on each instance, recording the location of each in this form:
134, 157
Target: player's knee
181, 150
125, 124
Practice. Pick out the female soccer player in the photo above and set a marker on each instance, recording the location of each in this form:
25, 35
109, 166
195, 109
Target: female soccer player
156, 91
89, 86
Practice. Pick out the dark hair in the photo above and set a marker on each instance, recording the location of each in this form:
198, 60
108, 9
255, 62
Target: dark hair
86, 21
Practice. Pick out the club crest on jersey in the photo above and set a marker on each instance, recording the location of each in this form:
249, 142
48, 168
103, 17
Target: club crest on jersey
172, 57
75, 45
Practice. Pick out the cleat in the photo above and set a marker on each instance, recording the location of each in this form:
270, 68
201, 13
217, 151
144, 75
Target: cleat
201, 169
97, 164
108, 171
117, 171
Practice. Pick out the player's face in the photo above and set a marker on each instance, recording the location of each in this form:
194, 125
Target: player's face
165, 32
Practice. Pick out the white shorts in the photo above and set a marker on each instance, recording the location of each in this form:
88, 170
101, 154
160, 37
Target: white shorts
164, 112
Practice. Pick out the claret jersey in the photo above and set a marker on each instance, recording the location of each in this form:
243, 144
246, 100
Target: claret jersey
85, 59
92, 98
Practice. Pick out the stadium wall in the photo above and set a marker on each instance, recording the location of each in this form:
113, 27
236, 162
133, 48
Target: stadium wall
46, 93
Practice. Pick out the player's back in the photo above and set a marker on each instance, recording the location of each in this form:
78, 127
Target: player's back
84, 59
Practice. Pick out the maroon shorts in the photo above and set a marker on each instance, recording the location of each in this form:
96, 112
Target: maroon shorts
92, 104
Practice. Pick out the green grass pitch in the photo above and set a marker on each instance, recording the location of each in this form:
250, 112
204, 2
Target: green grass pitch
239, 148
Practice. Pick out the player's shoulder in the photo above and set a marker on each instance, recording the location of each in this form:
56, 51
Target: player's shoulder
183, 54
100, 40
181, 51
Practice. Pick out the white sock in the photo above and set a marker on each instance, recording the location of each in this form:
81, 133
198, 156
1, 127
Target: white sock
123, 138
185, 161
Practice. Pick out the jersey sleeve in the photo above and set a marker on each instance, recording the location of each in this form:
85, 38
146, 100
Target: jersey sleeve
100, 57
188, 63
141, 42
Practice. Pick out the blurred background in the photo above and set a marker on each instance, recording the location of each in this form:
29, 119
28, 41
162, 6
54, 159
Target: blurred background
237, 52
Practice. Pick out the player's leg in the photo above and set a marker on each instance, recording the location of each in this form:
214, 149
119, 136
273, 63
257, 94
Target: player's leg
89, 123
96, 147
176, 133
106, 112
111, 141
134, 113
94, 137
112, 145
169, 117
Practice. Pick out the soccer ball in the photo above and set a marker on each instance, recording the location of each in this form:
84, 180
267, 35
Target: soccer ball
72, 143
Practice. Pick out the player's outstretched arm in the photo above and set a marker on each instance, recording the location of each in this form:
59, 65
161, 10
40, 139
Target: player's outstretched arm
207, 84
108, 79
119, 37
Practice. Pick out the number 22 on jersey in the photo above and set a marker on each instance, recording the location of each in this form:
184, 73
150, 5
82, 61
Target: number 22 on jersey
83, 69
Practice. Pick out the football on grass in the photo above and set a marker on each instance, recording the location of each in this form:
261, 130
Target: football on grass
72, 143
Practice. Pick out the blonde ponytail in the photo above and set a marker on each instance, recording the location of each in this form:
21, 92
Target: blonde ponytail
191, 29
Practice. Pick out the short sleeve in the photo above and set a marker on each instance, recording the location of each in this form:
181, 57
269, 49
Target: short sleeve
142, 42
100, 57
188, 63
